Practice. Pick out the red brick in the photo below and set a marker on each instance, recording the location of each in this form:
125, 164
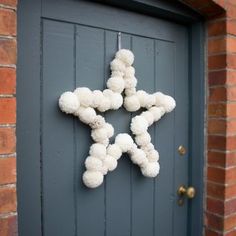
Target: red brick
230, 175
215, 206
209, 232
231, 110
217, 126
217, 110
217, 142
231, 126
7, 81
7, 140
7, 22
218, 77
217, 28
7, 51
217, 94
7, 170
216, 174
217, 190
230, 222
11, 3
231, 45
230, 159
231, 233
216, 45
231, 27
217, 159
8, 226
7, 110
231, 142
231, 10
230, 207
216, 222
7, 200
231, 61
230, 191
217, 62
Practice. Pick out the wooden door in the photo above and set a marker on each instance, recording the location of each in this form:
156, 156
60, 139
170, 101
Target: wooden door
78, 40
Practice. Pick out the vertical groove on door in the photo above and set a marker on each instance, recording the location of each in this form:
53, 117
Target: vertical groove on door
131, 168
154, 142
41, 124
104, 82
75, 141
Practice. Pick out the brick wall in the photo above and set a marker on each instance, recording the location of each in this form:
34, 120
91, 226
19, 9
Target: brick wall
8, 222
220, 212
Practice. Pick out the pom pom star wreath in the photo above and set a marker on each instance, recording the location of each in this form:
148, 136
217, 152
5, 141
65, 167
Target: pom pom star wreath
103, 156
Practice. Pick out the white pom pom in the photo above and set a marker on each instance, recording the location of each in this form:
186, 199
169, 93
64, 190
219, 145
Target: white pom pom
92, 179
97, 98
138, 125
151, 169
130, 92
157, 112
126, 56
114, 150
116, 84
142, 96
86, 115
131, 103
148, 116
85, 96
105, 142
138, 157
93, 163
143, 139
110, 162
165, 101
98, 150
117, 65
104, 105
145, 99
110, 130
153, 155
115, 99
68, 102
116, 73
98, 122
130, 82
99, 135
148, 148
129, 72
169, 103
124, 141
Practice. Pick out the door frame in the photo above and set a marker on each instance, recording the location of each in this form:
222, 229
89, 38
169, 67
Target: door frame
28, 126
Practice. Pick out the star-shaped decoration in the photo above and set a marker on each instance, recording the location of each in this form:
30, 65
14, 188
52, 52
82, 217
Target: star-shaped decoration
83, 103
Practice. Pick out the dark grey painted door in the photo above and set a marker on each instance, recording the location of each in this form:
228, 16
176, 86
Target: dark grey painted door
78, 40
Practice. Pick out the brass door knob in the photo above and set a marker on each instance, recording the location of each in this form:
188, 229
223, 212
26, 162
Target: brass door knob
189, 192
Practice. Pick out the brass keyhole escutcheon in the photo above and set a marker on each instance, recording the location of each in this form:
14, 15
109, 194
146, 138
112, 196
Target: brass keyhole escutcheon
183, 192
182, 150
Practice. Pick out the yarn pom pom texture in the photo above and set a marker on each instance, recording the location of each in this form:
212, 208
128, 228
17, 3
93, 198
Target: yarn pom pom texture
121, 91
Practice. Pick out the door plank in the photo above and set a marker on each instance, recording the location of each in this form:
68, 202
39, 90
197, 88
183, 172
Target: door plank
143, 188
89, 73
57, 130
118, 182
165, 193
